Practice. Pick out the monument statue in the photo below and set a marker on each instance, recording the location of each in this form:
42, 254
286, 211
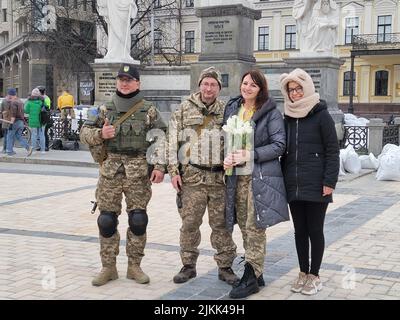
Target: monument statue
323, 26
317, 25
118, 15
302, 13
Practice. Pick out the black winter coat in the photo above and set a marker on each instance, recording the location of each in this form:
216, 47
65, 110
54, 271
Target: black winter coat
268, 185
311, 160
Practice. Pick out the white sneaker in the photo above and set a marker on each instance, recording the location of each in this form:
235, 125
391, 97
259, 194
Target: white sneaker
43, 152
297, 286
312, 285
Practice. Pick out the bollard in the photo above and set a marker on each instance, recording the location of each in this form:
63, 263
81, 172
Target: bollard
375, 136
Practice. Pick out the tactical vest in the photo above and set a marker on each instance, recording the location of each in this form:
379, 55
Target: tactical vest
130, 136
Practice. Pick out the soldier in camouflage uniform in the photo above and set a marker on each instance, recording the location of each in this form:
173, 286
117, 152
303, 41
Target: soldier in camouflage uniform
123, 171
200, 182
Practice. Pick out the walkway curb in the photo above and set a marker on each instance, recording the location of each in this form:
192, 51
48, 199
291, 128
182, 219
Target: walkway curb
56, 162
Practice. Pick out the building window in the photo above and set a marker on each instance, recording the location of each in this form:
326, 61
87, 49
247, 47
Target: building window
351, 29
263, 38
4, 15
75, 4
189, 41
157, 41
381, 83
189, 3
290, 37
346, 83
384, 28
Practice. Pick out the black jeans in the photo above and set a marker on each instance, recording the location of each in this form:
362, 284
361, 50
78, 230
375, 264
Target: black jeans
308, 219
46, 135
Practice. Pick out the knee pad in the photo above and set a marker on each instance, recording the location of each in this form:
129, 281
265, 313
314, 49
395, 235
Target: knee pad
107, 222
138, 221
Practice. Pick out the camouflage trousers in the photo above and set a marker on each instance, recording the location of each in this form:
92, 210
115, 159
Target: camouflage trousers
254, 239
195, 200
109, 198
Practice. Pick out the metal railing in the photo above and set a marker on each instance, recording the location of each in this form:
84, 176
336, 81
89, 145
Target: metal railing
376, 41
62, 128
391, 135
358, 137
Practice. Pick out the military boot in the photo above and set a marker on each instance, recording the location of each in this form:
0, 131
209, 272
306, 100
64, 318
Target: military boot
187, 272
106, 274
136, 273
227, 275
260, 281
247, 285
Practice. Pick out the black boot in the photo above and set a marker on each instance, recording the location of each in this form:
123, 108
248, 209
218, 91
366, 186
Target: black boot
260, 281
247, 285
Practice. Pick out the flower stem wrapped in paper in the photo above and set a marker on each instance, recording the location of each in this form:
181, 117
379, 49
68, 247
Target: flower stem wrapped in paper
239, 136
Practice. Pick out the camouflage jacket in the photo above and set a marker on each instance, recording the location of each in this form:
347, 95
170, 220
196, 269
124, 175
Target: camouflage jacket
90, 134
187, 145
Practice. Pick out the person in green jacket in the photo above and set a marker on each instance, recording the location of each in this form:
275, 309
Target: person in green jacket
47, 103
33, 107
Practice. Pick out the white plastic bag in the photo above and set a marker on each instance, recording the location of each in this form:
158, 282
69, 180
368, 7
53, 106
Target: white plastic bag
369, 162
352, 120
352, 163
389, 166
343, 153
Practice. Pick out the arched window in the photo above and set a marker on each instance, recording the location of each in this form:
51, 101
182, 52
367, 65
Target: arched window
381, 83
346, 83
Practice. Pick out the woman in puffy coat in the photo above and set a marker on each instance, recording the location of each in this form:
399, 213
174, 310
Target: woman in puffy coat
256, 199
310, 168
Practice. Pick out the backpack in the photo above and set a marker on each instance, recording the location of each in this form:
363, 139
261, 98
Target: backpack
45, 117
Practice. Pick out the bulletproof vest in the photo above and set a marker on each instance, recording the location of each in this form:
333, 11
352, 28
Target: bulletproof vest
130, 136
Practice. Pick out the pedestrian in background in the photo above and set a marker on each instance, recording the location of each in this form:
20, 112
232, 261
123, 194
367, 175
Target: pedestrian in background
33, 107
48, 121
66, 104
5, 115
17, 125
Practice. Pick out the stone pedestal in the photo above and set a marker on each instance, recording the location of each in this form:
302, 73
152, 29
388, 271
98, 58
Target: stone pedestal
227, 43
324, 71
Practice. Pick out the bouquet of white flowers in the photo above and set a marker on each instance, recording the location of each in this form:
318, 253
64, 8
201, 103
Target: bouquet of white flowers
239, 136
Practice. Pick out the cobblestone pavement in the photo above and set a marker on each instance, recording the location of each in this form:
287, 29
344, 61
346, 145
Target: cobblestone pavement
49, 243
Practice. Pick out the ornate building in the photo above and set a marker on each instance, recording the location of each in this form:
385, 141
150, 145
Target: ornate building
25, 61
375, 25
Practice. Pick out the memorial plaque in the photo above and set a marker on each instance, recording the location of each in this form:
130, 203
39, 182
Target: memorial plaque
105, 85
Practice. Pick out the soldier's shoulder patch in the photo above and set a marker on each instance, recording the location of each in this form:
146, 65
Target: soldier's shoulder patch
93, 114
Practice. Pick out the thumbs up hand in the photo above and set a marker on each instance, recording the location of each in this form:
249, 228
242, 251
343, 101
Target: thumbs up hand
108, 131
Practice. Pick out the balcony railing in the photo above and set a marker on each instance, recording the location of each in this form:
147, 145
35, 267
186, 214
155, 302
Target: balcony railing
376, 41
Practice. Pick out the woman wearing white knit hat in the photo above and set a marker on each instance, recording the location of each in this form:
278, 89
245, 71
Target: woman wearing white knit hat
310, 167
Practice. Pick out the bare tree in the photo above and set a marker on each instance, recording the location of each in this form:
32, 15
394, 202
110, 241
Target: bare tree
67, 33
167, 17
70, 40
